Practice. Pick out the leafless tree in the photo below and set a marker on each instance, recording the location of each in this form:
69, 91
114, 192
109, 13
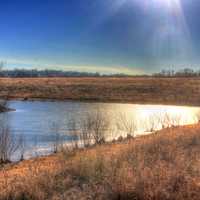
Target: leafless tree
169, 120
22, 147
8, 144
100, 124
197, 117
153, 123
157, 121
126, 124
57, 141
165, 120
80, 130
85, 133
92, 128
74, 133
176, 120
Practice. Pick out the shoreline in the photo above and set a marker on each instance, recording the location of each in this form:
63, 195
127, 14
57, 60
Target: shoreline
99, 101
118, 141
153, 91
6, 109
91, 167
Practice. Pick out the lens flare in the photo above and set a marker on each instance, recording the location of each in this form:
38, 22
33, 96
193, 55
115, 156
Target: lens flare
170, 39
169, 3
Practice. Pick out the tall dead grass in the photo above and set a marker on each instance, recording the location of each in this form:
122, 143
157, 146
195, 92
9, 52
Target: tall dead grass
163, 166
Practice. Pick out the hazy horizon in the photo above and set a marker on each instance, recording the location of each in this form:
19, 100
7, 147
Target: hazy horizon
121, 36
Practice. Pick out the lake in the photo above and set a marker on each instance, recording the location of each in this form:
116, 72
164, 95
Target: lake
37, 121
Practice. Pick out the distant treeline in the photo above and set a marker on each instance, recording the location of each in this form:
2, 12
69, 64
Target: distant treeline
27, 73
187, 72
50, 73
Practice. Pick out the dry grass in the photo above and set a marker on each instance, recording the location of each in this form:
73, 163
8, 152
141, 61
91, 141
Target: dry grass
133, 90
163, 166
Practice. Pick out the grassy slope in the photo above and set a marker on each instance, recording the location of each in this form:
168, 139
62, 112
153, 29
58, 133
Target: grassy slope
164, 166
135, 90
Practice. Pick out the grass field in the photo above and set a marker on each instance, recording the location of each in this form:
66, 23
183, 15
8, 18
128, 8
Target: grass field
162, 166
184, 91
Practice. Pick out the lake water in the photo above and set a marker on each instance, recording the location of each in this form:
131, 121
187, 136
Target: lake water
38, 121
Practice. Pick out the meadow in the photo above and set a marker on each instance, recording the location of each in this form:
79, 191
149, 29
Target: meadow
165, 165
147, 90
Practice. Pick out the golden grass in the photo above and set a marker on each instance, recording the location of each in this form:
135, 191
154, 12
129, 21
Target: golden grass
163, 166
131, 90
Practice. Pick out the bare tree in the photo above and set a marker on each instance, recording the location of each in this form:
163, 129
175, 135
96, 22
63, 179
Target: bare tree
85, 133
92, 128
100, 124
8, 144
126, 124
197, 117
74, 133
176, 120
153, 123
22, 146
156, 121
165, 120
57, 142
169, 120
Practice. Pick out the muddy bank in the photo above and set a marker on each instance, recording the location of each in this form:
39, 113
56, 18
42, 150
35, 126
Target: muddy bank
3, 109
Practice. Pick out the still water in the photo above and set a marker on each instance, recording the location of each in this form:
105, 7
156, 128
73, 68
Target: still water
38, 121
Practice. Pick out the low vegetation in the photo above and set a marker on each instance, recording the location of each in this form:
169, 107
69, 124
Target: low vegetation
164, 165
3, 106
177, 91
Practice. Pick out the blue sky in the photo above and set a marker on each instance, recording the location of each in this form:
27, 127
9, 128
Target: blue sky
109, 36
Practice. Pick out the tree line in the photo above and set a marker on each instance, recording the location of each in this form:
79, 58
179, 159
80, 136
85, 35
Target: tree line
26, 73
44, 73
186, 72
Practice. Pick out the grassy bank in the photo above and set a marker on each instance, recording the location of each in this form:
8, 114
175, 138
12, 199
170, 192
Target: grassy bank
184, 91
165, 165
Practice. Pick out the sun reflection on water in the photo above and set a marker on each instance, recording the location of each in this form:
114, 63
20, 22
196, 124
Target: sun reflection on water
35, 119
149, 118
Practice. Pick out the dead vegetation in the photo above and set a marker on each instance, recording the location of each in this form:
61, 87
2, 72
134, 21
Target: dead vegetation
3, 106
178, 91
163, 166
8, 143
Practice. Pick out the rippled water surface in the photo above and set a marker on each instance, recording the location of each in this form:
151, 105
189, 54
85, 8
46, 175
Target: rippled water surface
38, 121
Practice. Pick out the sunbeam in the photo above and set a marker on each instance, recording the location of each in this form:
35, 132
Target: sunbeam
170, 37
172, 32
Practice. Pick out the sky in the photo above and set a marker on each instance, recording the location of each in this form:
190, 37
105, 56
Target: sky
106, 36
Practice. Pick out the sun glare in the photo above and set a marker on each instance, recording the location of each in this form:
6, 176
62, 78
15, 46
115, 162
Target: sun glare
169, 3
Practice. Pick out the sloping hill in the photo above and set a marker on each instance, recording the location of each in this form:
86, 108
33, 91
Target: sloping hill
165, 165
